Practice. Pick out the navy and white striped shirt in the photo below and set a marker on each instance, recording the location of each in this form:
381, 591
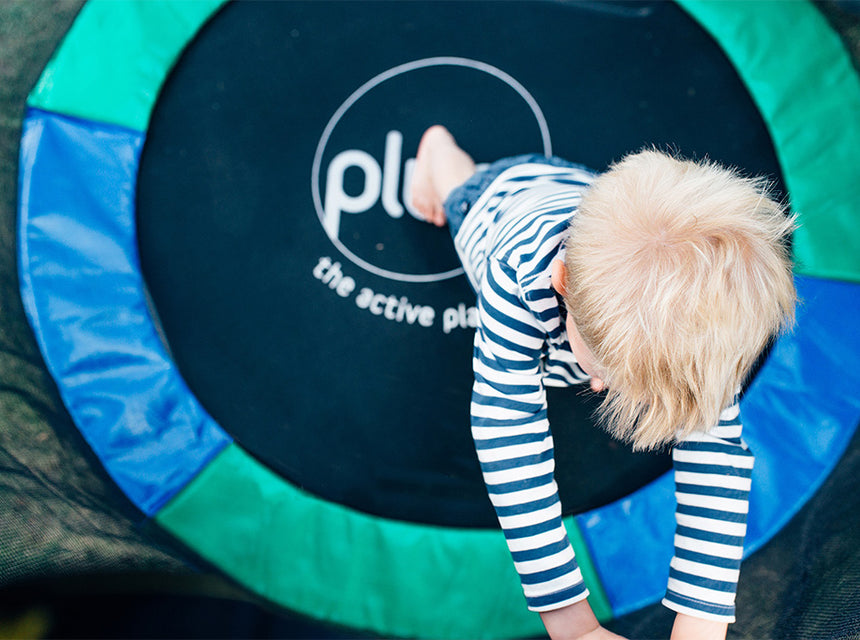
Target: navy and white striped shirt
507, 243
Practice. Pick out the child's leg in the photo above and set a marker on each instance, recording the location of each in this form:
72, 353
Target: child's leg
440, 167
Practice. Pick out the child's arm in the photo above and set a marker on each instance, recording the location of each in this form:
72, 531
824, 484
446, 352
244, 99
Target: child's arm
713, 473
514, 445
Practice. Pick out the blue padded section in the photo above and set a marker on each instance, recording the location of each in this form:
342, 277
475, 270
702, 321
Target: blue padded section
86, 301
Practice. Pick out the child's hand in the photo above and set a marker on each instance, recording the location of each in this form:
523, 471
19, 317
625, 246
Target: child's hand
691, 628
575, 622
601, 633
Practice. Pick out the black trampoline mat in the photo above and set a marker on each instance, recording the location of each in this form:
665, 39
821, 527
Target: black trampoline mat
311, 345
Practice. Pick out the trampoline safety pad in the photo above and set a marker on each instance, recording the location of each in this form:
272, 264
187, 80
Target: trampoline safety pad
267, 483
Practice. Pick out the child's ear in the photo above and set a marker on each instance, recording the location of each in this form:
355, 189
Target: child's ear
559, 276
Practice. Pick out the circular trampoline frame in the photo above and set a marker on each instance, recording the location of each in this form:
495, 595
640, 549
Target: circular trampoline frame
83, 135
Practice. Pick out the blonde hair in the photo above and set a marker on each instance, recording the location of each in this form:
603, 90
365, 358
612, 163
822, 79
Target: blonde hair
678, 276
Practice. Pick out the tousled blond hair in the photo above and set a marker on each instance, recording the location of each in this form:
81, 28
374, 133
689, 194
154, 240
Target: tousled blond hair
678, 276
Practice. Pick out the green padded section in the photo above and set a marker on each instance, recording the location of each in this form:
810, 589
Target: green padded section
808, 92
112, 63
347, 567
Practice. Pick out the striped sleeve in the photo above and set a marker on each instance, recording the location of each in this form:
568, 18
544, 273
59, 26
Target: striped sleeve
712, 483
514, 444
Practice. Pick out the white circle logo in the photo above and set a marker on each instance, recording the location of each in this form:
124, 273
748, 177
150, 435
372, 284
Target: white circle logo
356, 182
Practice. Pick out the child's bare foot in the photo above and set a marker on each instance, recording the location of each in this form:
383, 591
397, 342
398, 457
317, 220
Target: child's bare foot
425, 198
440, 166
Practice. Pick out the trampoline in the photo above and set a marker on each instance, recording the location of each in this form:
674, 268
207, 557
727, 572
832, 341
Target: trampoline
271, 357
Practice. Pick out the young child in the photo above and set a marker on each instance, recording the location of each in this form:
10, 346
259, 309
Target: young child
659, 281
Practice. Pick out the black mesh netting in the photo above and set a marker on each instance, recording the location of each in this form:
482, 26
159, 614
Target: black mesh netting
77, 560
59, 514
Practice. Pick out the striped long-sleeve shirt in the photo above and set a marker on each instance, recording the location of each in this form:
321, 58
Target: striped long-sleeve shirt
507, 243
